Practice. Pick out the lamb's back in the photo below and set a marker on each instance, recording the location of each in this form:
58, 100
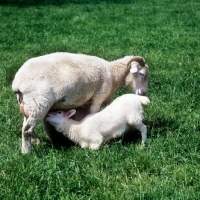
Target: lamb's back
114, 115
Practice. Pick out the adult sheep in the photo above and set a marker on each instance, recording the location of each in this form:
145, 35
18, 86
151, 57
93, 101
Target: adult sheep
65, 80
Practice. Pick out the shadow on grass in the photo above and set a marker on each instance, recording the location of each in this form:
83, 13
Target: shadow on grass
25, 3
60, 142
160, 126
46, 146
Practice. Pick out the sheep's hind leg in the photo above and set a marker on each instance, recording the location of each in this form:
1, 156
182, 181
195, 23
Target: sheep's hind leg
27, 132
37, 109
143, 130
26, 141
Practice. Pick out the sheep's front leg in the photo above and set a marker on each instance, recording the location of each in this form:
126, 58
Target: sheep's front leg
95, 107
98, 100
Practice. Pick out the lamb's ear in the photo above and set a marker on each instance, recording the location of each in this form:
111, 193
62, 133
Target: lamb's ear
134, 68
70, 113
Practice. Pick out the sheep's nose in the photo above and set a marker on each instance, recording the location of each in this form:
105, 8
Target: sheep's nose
140, 92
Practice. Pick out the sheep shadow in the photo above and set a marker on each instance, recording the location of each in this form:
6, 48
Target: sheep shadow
159, 126
156, 127
59, 141
25, 3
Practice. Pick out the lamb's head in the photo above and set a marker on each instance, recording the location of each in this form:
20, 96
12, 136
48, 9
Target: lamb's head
58, 118
137, 77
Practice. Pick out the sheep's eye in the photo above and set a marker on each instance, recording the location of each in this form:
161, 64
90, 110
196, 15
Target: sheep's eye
141, 74
59, 112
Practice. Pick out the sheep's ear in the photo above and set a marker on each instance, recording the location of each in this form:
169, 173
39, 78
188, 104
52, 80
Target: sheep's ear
70, 113
140, 60
143, 72
134, 68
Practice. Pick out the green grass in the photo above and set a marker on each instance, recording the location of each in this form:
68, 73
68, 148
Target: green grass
166, 33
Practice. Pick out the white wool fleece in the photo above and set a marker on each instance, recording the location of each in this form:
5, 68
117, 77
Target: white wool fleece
112, 122
65, 80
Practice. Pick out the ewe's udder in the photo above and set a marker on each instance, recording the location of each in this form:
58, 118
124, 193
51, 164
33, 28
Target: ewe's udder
24, 110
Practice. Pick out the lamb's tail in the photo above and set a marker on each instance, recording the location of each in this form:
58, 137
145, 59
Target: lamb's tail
144, 100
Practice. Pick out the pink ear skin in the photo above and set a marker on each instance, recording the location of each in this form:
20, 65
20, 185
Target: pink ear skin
70, 113
142, 72
134, 68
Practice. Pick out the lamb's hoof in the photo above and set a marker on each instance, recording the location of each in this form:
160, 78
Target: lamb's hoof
84, 146
94, 146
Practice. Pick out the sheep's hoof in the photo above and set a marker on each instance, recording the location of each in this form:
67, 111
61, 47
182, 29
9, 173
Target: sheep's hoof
26, 150
142, 144
35, 141
26, 145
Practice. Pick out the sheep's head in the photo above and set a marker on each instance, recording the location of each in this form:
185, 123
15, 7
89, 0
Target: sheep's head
137, 77
58, 118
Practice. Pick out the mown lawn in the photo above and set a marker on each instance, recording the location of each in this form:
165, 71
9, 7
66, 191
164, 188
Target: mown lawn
166, 33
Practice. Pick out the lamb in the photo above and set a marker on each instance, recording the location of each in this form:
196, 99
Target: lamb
65, 80
123, 113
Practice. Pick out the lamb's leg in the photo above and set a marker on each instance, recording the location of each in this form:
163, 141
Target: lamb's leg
94, 146
143, 130
84, 145
96, 142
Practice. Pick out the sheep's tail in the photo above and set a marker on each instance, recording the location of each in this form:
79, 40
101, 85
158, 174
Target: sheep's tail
144, 100
19, 97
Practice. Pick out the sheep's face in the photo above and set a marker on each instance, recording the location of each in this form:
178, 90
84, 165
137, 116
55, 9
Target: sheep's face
55, 118
58, 118
137, 78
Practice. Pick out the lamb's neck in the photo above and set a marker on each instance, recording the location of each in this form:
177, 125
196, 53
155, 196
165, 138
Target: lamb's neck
72, 130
